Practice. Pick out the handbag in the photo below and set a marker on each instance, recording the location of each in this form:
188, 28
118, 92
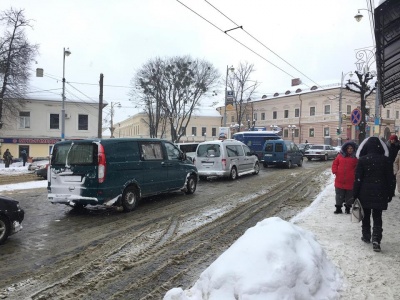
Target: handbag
357, 212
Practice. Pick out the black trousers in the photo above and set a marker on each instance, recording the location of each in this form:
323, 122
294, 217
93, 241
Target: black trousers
377, 224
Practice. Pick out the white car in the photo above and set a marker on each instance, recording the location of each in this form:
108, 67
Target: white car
321, 151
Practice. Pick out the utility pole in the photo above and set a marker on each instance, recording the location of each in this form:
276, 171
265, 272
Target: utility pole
99, 130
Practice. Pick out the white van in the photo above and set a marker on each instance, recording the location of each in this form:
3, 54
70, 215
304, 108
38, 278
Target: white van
225, 158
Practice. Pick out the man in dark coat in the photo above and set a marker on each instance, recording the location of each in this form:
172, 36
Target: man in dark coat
24, 157
373, 186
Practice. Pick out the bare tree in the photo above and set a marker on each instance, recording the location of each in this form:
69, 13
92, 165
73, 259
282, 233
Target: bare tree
243, 88
16, 53
170, 89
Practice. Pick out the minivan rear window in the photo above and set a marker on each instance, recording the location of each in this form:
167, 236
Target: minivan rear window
209, 150
72, 154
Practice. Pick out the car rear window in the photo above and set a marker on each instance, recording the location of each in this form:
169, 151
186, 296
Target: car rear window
73, 154
317, 147
209, 150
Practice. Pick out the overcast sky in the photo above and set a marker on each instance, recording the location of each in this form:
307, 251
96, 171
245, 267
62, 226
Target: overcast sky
317, 37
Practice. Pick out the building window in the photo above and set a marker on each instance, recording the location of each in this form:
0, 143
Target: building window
397, 114
194, 131
296, 132
233, 119
183, 130
297, 112
203, 131
286, 113
285, 133
348, 109
311, 132
327, 109
213, 131
312, 111
263, 116
274, 115
24, 119
83, 122
326, 131
387, 114
255, 116
54, 121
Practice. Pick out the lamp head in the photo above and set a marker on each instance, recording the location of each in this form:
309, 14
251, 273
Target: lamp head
358, 16
67, 52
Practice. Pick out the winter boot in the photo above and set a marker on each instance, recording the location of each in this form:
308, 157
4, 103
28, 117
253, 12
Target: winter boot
365, 239
338, 210
347, 209
376, 247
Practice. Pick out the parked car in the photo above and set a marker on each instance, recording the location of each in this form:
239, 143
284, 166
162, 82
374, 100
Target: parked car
225, 158
189, 149
117, 171
282, 153
42, 171
304, 147
255, 140
11, 216
323, 152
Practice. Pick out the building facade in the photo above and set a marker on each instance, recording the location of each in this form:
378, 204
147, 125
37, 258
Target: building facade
38, 126
203, 125
313, 115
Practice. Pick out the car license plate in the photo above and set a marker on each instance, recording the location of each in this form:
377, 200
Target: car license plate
207, 164
268, 154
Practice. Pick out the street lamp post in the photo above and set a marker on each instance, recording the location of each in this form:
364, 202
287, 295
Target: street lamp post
112, 118
226, 90
339, 132
66, 52
364, 75
292, 128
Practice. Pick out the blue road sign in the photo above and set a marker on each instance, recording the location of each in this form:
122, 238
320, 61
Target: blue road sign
356, 116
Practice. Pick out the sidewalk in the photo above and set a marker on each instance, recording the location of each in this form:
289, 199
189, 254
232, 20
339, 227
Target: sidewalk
366, 274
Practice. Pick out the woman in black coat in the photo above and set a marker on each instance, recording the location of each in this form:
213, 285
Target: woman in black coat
373, 186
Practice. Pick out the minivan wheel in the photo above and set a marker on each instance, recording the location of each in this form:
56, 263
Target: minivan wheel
300, 162
130, 198
233, 174
256, 168
191, 184
289, 164
4, 229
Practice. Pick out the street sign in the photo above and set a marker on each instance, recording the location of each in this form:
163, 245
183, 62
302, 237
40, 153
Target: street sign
355, 116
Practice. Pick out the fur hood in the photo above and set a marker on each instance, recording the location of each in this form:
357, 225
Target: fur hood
343, 151
372, 144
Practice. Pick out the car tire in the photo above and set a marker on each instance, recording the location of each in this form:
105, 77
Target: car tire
289, 164
309, 158
191, 184
256, 168
5, 228
233, 174
130, 198
300, 163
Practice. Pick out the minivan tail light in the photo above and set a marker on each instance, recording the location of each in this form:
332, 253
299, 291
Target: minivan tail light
223, 163
101, 165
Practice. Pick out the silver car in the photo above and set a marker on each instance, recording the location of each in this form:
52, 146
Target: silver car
225, 158
321, 151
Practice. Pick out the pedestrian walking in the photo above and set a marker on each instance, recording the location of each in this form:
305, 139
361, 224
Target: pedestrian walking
396, 170
7, 157
344, 167
394, 147
24, 157
373, 187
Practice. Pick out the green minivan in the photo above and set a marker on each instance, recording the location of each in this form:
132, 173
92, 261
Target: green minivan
117, 171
